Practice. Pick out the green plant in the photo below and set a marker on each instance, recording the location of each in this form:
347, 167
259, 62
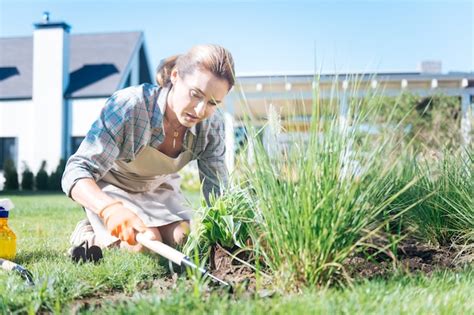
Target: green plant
432, 122
321, 198
54, 180
447, 215
134, 283
42, 178
229, 220
27, 178
190, 179
11, 175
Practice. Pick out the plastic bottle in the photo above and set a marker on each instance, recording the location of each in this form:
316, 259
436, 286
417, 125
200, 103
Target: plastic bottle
7, 236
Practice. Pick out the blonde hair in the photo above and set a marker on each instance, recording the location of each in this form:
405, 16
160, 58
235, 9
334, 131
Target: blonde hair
213, 58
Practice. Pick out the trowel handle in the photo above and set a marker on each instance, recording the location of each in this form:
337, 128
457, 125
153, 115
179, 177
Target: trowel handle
175, 256
7, 265
161, 249
11, 266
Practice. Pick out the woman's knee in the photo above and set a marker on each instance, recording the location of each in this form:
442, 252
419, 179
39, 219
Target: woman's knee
153, 234
181, 232
175, 233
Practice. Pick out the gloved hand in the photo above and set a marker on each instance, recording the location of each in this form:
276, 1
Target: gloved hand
122, 222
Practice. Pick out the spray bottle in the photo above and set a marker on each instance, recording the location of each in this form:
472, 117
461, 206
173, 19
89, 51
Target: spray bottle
7, 236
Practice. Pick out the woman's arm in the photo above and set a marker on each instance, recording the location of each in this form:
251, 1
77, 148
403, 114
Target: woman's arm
211, 163
116, 134
104, 143
122, 127
120, 221
87, 193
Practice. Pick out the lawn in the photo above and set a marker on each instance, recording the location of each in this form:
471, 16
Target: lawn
140, 283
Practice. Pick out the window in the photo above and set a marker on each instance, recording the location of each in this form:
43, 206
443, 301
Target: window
129, 80
75, 143
8, 151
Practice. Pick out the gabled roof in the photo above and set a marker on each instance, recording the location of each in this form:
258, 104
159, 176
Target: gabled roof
98, 65
16, 67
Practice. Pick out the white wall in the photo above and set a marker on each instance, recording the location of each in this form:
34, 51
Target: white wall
84, 113
16, 119
50, 79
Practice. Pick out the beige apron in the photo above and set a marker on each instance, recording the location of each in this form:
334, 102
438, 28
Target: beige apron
149, 186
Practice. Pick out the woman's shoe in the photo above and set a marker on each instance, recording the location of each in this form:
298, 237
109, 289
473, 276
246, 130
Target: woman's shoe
85, 253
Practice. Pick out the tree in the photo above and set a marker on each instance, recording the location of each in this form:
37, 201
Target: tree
42, 177
11, 175
27, 178
56, 176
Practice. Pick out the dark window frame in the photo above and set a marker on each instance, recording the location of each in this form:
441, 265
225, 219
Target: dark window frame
75, 143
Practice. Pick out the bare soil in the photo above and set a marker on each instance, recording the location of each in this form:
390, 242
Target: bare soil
411, 257
232, 270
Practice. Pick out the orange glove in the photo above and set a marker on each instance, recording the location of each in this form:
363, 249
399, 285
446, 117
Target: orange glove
122, 222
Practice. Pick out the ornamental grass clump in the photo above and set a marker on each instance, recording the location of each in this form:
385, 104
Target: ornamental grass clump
446, 216
321, 197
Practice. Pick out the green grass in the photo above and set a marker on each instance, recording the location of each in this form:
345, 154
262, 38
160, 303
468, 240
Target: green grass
43, 224
446, 216
443, 293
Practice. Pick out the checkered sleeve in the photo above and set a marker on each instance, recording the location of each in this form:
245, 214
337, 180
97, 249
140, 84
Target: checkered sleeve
213, 172
111, 137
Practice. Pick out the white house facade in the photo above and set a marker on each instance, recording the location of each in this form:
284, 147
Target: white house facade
53, 86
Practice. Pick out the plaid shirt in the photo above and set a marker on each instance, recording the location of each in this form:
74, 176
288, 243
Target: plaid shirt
132, 118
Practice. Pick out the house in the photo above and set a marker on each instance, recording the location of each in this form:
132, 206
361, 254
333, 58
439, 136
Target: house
54, 84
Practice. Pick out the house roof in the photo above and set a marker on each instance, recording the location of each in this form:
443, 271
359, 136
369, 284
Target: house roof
97, 66
330, 77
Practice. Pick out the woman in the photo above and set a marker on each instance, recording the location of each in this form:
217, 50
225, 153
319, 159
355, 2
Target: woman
124, 172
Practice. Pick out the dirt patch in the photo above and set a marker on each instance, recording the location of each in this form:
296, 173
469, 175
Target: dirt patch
411, 256
222, 265
96, 301
232, 269
160, 287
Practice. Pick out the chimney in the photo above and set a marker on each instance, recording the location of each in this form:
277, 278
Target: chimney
50, 81
430, 66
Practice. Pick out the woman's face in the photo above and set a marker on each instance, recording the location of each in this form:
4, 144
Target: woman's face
196, 96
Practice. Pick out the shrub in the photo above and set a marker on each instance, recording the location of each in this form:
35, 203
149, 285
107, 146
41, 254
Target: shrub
54, 182
432, 122
27, 178
42, 178
11, 175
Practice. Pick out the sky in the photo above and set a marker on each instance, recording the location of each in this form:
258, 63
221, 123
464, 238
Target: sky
272, 37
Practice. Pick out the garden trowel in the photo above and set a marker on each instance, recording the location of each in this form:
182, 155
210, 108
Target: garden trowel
177, 257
